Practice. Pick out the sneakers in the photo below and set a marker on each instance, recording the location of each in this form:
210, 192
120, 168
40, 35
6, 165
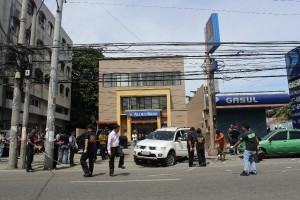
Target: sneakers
253, 173
244, 174
87, 175
122, 167
29, 170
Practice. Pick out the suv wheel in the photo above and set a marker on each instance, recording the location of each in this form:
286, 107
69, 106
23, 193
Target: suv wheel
137, 161
170, 160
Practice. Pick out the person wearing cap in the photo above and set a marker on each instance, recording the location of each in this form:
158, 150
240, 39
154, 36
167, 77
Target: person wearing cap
114, 149
88, 151
30, 149
200, 141
220, 139
234, 137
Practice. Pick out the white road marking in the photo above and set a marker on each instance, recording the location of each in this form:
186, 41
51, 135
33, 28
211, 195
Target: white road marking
161, 175
190, 169
228, 170
127, 181
293, 159
288, 167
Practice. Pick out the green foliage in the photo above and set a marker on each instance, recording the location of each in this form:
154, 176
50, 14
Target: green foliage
284, 112
85, 80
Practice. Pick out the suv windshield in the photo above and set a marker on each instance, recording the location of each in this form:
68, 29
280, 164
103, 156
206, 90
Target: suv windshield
161, 135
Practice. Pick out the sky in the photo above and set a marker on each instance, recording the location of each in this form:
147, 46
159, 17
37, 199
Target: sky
136, 21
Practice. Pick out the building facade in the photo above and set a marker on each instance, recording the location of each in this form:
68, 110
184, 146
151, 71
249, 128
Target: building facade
38, 41
142, 93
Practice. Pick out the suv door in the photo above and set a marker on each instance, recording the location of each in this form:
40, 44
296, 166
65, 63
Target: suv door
179, 144
278, 143
294, 142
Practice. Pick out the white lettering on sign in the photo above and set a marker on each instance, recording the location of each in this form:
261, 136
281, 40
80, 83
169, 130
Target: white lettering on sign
236, 100
141, 114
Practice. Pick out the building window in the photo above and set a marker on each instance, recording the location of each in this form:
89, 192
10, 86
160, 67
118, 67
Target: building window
141, 103
66, 111
50, 29
34, 102
62, 66
68, 72
61, 88
46, 79
15, 26
30, 8
48, 54
9, 94
67, 92
38, 75
41, 20
27, 36
58, 110
141, 79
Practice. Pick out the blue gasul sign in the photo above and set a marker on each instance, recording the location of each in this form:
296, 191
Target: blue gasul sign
148, 113
254, 99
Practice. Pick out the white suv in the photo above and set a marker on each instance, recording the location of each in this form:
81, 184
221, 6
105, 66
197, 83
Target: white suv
164, 145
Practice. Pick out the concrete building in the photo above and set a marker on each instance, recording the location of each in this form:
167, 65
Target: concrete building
142, 93
10, 11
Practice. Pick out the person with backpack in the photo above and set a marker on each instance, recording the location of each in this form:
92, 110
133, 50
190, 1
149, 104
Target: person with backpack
200, 141
73, 148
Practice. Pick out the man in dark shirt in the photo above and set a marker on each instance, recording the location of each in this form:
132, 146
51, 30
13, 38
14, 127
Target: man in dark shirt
88, 152
234, 138
200, 141
191, 145
251, 140
30, 149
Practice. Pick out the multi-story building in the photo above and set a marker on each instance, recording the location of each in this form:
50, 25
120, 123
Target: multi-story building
41, 42
142, 93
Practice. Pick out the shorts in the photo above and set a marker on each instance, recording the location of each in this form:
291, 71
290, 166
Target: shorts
221, 150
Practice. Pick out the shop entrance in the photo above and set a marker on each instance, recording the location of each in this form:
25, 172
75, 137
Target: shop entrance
143, 129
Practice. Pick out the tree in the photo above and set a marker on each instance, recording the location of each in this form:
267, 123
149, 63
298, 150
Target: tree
85, 80
282, 112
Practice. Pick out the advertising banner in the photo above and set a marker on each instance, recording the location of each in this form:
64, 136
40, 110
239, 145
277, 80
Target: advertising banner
143, 113
212, 34
293, 74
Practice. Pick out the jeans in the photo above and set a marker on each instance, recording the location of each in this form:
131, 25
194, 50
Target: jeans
134, 143
249, 156
64, 149
1, 152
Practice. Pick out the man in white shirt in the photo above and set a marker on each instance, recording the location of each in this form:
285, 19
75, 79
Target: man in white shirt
114, 149
134, 137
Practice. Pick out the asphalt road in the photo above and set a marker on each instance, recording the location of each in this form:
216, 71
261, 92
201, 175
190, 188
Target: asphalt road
278, 178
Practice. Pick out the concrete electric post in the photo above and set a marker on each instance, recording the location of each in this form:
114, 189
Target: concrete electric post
50, 126
27, 95
211, 104
13, 145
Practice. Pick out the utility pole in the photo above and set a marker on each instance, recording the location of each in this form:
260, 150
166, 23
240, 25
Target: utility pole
13, 145
27, 95
211, 104
50, 128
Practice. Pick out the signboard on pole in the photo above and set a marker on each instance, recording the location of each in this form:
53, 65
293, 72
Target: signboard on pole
292, 60
212, 34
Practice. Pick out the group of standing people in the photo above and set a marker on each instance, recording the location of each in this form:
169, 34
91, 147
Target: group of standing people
196, 140
113, 149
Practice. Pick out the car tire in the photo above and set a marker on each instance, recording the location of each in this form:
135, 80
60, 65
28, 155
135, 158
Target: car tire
170, 160
261, 154
137, 161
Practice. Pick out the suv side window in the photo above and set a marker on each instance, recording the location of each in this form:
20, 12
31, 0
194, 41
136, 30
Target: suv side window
184, 135
294, 135
280, 136
178, 134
